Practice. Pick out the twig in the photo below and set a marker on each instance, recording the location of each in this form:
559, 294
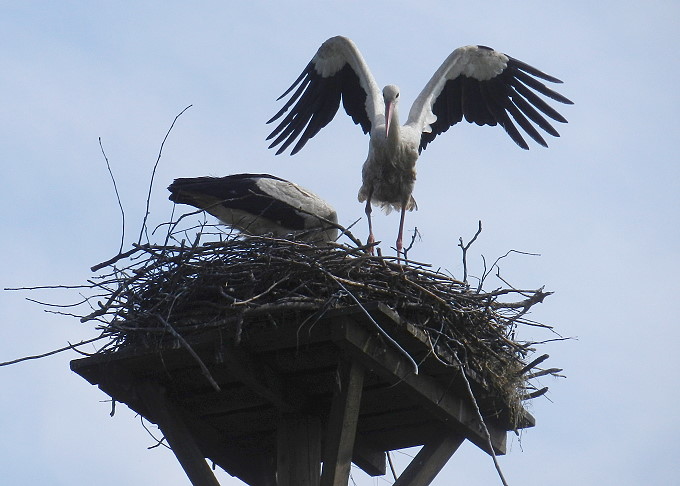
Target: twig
549, 371
533, 364
535, 394
158, 442
370, 317
416, 234
120, 204
187, 346
153, 174
50, 353
495, 264
120, 256
481, 419
465, 249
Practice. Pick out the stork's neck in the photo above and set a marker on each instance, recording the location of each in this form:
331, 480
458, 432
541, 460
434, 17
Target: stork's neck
394, 134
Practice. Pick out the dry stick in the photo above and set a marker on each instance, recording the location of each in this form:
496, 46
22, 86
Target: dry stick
48, 287
380, 329
533, 364
536, 394
153, 174
62, 306
549, 371
536, 298
413, 240
115, 188
204, 368
120, 256
498, 269
50, 353
481, 419
261, 294
465, 248
158, 442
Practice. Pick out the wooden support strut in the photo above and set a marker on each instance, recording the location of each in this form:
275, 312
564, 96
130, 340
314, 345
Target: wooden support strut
342, 425
429, 461
170, 421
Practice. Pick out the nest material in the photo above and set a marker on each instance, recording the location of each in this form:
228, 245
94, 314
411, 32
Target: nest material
153, 292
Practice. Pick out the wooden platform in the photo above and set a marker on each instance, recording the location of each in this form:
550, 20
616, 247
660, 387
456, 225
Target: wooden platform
291, 397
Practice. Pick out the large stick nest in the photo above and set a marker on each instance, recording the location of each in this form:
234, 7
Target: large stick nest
155, 292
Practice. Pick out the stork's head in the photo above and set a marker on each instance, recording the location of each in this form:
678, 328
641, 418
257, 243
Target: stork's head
391, 98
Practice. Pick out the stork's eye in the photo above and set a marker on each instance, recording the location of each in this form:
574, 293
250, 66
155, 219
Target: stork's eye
397, 95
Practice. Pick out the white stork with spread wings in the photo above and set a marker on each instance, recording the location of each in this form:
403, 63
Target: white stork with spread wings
259, 204
477, 83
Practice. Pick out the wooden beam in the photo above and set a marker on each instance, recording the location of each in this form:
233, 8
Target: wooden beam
429, 461
342, 425
370, 459
452, 409
298, 450
170, 421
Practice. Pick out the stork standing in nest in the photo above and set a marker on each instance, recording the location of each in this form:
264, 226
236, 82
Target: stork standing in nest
260, 204
477, 83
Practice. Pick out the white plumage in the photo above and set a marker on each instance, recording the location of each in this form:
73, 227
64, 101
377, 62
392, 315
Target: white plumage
259, 204
477, 83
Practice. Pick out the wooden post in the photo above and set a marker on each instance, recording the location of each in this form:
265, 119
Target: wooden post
170, 421
298, 451
342, 425
429, 461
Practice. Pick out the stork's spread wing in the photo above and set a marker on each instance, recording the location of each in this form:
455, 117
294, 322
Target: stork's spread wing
337, 71
486, 87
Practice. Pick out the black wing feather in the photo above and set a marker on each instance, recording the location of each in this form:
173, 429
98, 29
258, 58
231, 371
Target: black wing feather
498, 103
511, 95
537, 102
537, 85
315, 103
354, 99
292, 99
535, 116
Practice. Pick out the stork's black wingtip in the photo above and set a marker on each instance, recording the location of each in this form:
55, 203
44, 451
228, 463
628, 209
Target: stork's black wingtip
274, 145
521, 143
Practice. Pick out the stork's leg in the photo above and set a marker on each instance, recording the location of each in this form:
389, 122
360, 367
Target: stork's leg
400, 245
369, 209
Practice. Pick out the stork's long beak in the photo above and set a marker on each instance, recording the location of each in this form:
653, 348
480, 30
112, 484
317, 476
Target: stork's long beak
388, 117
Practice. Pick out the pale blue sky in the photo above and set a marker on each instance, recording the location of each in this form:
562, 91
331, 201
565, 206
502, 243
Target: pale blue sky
601, 205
